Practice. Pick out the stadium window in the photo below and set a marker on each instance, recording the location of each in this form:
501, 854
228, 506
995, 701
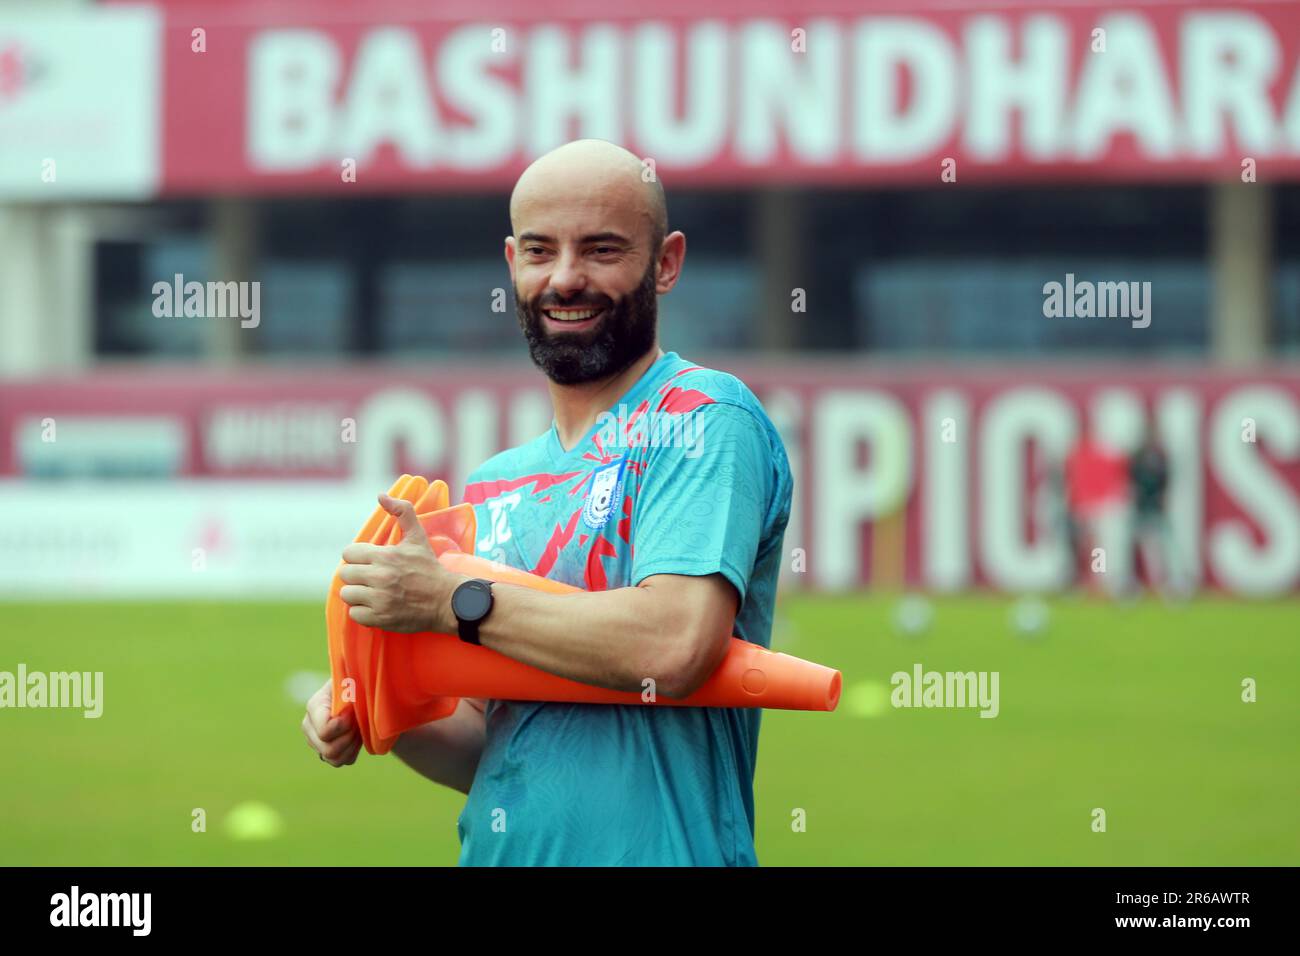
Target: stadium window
712, 306
307, 307
439, 306
125, 272
935, 271
1286, 309
985, 305
1286, 286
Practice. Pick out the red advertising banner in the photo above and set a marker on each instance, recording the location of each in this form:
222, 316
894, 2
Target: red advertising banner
940, 478
326, 96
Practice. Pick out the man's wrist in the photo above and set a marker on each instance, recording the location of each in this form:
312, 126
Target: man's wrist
444, 617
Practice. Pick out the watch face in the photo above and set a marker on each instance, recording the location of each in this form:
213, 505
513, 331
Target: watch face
471, 600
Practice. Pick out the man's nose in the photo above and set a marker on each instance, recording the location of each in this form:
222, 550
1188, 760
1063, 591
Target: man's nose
568, 276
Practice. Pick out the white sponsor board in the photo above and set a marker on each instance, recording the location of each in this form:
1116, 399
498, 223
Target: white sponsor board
79, 103
194, 539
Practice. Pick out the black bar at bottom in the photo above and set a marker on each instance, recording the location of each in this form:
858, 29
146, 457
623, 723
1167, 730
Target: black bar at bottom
302, 905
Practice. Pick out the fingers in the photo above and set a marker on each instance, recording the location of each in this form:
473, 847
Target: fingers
326, 727
318, 705
336, 739
313, 738
335, 728
339, 752
404, 512
357, 595
364, 616
337, 732
371, 575
349, 756
361, 553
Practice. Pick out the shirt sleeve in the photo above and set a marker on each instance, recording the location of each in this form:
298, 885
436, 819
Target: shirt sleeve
701, 507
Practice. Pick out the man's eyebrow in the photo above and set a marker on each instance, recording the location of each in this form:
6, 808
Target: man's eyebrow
585, 240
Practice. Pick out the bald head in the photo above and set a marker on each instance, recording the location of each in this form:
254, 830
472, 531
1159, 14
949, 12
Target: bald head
597, 175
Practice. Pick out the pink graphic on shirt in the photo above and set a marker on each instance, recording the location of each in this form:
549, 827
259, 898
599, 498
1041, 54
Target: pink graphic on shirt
559, 538
480, 491
625, 523
595, 575
631, 422
680, 400
600, 450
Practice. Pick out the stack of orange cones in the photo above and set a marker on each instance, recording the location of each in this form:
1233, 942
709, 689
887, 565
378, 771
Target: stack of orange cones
394, 682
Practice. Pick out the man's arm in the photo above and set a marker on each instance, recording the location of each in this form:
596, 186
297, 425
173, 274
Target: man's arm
447, 751
672, 628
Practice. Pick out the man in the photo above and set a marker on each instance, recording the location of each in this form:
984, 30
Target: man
1096, 481
1148, 470
676, 540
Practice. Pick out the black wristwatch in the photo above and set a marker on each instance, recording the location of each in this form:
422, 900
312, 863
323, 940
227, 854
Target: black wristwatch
471, 602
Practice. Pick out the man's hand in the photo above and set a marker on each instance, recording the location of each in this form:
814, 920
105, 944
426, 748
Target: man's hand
400, 588
336, 739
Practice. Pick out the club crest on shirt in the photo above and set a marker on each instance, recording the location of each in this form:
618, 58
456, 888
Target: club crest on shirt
605, 494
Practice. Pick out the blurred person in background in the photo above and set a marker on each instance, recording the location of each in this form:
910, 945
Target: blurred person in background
1096, 486
1148, 470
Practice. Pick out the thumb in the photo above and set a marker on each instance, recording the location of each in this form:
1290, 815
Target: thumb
404, 512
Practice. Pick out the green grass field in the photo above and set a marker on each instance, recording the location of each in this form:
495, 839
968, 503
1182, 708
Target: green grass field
1135, 709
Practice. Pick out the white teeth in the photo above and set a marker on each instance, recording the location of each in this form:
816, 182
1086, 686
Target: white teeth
572, 315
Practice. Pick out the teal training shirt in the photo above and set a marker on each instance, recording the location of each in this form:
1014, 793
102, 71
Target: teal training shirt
685, 474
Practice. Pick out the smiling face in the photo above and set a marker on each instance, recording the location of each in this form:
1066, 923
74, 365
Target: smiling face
585, 262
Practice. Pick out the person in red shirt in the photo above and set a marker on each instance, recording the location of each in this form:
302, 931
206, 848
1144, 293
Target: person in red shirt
1096, 486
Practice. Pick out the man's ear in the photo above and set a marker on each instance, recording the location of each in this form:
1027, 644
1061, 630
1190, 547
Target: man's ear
510, 256
669, 266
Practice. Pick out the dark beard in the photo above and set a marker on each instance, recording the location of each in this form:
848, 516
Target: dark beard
625, 333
